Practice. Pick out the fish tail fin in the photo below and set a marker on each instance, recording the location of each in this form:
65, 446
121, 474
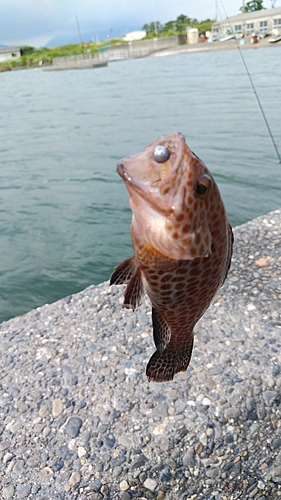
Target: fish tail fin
173, 360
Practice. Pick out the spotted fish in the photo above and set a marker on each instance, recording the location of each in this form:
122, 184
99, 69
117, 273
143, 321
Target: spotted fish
182, 243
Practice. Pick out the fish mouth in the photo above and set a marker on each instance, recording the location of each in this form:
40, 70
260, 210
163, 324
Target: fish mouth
153, 180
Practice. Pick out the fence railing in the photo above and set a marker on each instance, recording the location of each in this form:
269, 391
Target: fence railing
122, 51
81, 59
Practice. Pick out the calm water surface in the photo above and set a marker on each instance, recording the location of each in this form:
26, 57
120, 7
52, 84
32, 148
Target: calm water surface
64, 210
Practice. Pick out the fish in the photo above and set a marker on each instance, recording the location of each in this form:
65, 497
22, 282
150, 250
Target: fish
182, 246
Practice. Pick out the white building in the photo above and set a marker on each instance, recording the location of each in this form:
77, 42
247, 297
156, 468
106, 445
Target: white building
134, 35
8, 53
259, 21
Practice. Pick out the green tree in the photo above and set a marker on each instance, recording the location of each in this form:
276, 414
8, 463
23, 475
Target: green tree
252, 6
177, 27
205, 26
26, 49
170, 27
150, 28
183, 22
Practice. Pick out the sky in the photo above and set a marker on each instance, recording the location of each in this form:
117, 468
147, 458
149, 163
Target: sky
36, 22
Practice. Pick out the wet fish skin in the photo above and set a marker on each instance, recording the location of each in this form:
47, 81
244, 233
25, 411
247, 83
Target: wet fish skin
182, 244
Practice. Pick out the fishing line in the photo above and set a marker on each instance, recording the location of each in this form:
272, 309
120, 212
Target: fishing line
218, 10
253, 86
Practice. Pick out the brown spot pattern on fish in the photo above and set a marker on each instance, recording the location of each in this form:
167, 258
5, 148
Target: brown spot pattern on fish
182, 247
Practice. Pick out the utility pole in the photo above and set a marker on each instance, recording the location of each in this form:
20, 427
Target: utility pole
78, 30
155, 29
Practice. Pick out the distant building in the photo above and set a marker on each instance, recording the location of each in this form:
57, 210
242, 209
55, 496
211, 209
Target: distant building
134, 35
8, 53
192, 35
259, 21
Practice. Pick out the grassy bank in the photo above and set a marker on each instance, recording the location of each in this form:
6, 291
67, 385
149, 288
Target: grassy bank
33, 57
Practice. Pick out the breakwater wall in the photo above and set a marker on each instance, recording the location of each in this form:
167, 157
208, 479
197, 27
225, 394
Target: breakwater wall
121, 51
80, 421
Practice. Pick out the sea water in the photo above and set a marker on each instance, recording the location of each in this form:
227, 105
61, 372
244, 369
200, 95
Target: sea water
64, 210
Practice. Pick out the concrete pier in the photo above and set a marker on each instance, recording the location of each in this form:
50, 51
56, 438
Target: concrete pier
78, 419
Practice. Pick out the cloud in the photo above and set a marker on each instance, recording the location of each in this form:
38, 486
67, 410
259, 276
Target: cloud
23, 21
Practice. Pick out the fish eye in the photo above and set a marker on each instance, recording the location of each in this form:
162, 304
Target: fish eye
161, 154
203, 187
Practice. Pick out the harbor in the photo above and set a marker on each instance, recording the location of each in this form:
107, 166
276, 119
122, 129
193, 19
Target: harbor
230, 44
162, 46
155, 48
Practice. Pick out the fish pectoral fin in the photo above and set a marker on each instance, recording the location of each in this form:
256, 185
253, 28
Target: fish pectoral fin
173, 360
161, 331
123, 272
134, 291
127, 273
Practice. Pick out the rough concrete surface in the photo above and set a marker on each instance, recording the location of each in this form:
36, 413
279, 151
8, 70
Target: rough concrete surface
79, 419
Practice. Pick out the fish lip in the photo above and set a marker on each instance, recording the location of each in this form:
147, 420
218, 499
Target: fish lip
156, 204
122, 172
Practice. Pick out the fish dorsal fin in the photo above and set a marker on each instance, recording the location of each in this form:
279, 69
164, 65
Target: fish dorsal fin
134, 291
230, 250
123, 272
161, 331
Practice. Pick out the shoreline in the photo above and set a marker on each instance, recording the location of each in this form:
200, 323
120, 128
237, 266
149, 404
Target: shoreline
80, 421
180, 49
215, 46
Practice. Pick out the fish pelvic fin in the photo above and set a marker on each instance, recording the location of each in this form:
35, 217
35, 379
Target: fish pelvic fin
162, 368
123, 272
161, 331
